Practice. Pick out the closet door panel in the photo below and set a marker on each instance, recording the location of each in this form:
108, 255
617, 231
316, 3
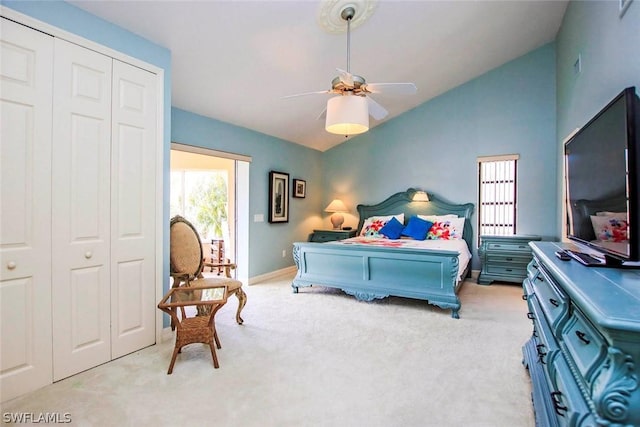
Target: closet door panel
25, 219
133, 204
81, 214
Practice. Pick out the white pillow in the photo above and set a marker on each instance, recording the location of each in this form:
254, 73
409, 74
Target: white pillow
447, 229
434, 218
372, 225
610, 228
616, 215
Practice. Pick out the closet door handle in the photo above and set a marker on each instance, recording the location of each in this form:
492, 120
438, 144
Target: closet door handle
530, 316
582, 336
554, 302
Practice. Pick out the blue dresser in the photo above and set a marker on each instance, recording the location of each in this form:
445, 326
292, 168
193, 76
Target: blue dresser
584, 354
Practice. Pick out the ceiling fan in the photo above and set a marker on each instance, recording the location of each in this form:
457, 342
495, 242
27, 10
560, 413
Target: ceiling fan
348, 113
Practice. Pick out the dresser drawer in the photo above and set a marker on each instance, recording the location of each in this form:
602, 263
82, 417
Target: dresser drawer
546, 345
533, 269
567, 399
584, 344
509, 247
554, 303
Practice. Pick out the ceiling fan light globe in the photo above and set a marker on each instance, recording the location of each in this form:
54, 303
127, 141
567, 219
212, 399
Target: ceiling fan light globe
347, 115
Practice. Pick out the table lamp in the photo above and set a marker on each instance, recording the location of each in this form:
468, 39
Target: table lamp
335, 207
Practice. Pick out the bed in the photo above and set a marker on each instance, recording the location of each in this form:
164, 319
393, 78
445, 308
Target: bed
369, 270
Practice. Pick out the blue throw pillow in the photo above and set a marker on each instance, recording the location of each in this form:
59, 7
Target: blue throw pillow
417, 228
392, 229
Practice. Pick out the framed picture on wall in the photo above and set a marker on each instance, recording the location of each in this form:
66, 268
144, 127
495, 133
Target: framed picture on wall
278, 197
299, 188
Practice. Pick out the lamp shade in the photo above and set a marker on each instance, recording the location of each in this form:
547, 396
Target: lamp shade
336, 206
347, 115
420, 196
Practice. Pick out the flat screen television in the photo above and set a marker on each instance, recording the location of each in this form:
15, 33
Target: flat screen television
602, 184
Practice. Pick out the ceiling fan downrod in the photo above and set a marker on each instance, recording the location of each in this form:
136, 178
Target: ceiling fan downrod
347, 14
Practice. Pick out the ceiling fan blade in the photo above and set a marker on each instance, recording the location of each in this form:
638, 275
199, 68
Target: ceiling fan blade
376, 110
391, 88
306, 93
345, 77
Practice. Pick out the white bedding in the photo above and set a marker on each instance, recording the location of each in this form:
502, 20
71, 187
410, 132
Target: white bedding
459, 246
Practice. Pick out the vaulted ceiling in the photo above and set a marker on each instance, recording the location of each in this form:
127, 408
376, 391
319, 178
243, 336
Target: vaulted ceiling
234, 61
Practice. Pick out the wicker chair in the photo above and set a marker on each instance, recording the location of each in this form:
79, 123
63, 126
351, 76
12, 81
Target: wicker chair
187, 262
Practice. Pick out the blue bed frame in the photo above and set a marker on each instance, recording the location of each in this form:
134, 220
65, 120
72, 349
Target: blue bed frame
378, 272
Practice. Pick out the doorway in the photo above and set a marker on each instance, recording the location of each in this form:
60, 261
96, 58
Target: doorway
209, 189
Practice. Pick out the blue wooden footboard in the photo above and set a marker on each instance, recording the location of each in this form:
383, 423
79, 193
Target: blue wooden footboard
378, 272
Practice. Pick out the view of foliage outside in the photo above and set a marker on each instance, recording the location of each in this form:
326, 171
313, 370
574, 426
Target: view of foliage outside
201, 197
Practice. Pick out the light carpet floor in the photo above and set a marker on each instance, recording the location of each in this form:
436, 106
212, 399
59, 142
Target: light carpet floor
320, 358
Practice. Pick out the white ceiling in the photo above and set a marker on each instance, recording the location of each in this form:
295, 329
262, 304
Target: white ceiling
234, 60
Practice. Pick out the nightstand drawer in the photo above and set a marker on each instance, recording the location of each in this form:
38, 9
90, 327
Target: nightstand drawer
520, 261
321, 236
507, 270
510, 247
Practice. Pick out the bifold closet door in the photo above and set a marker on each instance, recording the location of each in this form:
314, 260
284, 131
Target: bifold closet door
133, 209
81, 209
25, 218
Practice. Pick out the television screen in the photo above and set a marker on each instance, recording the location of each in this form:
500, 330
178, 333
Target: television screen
601, 187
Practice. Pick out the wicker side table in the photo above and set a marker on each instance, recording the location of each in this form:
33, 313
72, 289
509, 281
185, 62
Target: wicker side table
200, 328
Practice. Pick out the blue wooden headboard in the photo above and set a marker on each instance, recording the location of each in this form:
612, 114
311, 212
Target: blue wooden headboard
403, 203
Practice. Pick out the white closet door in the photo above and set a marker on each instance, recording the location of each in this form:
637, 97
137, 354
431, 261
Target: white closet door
25, 217
133, 204
81, 213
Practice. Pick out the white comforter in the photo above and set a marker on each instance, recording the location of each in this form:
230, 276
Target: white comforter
459, 246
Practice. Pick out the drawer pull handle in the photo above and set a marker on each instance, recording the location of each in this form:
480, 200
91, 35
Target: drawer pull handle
535, 333
498, 246
540, 278
535, 266
556, 397
554, 302
530, 316
509, 259
541, 353
508, 269
525, 296
581, 336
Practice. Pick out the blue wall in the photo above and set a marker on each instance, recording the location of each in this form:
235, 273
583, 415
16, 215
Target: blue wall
509, 110
609, 47
266, 241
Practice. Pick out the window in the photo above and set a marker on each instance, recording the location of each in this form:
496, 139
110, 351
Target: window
497, 195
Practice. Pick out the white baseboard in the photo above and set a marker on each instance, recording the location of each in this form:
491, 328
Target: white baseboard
272, 275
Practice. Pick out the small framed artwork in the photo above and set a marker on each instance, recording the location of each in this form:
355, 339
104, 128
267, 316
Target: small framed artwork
623, 5
278, 197
299, 188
